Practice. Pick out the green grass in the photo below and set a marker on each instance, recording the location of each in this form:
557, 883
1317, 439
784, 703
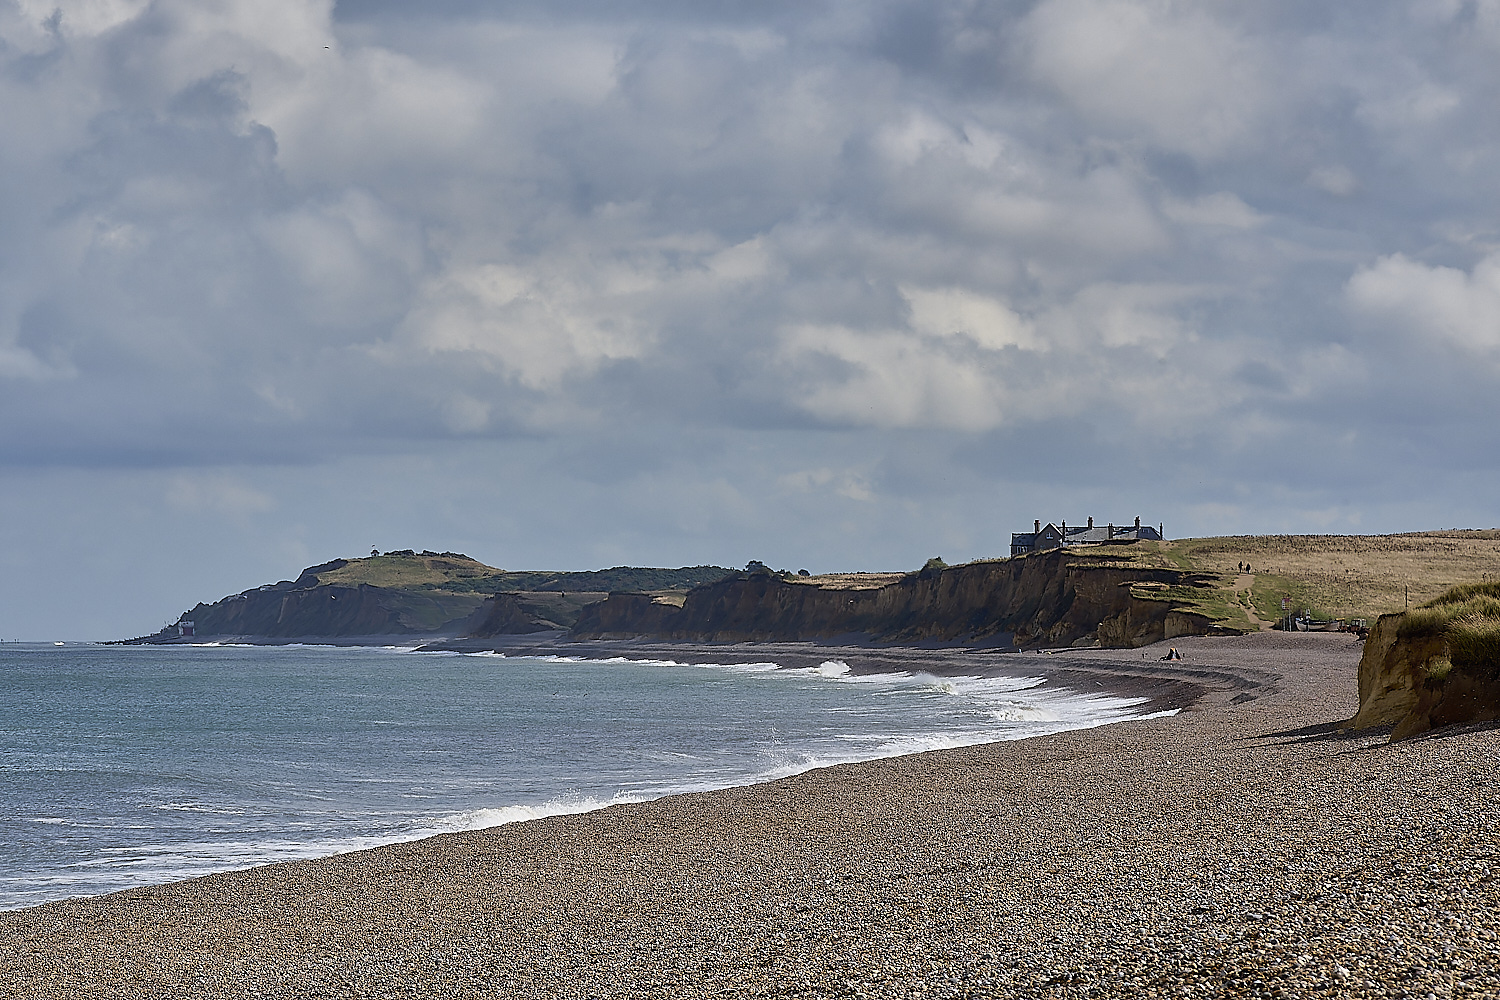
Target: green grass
403, 572
1474, 642
1468, 619
457, 574
1218, 604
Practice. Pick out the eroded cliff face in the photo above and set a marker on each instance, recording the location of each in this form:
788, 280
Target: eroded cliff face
1052, 598
1390, 673
527, 612
1410, 683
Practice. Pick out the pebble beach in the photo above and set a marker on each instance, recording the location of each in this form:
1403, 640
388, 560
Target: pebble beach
1244, 846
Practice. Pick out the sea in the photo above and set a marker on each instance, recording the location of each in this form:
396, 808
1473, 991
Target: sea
124, 766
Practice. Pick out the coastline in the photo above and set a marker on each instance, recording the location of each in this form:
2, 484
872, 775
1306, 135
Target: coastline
1244, 839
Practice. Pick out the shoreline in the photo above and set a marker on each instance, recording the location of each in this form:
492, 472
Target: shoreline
1244, 843
1062, 700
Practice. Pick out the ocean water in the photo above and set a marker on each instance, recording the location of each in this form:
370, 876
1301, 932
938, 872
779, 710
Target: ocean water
124, 766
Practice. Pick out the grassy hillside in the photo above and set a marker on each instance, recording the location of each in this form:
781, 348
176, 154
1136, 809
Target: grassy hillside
407, 571
1331, 576
456, 573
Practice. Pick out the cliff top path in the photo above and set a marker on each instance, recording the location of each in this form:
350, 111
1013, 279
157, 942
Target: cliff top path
1244, 847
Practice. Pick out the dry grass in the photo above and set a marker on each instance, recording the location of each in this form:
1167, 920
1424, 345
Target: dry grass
1344, 576
850, 581
1468, 618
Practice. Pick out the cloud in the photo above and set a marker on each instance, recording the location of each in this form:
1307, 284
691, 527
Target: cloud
671, 241
1429, 303
1190, 82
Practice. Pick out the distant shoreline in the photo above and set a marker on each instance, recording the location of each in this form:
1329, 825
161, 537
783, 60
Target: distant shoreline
1127, 673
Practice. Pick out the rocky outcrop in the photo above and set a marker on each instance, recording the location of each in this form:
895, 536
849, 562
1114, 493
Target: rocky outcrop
1052, 598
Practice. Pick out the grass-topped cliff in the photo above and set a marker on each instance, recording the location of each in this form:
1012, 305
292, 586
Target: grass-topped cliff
1436, 665
455, 573
1116, 593
407, 593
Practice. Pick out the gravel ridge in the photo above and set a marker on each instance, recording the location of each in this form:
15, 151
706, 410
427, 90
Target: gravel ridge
1244, 847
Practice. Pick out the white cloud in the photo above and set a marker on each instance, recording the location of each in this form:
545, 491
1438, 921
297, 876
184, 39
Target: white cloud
891, 379
957, 312
537, 330
1425, 302
1189, 81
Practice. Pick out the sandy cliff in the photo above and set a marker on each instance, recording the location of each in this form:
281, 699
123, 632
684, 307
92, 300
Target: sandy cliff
1434, 666
1051, 598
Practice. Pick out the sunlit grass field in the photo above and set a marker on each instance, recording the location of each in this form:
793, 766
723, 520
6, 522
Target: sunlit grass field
1336, 576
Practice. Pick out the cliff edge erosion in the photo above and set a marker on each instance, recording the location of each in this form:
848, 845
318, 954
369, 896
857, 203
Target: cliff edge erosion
1053, 598
1121, 594
1436, 665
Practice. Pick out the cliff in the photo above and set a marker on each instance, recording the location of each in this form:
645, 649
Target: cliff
521, 613
1438, 665
306, 608
419, 594
1054, 598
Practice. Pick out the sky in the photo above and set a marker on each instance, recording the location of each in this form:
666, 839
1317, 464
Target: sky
829, 284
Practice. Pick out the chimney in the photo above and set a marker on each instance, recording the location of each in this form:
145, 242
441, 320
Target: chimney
1091, 524
1111, 529
1038, 528
1138, 524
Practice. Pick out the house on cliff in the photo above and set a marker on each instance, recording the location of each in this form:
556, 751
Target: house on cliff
1058, 536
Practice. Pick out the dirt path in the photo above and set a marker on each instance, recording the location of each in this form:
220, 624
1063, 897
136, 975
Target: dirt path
1242, 584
